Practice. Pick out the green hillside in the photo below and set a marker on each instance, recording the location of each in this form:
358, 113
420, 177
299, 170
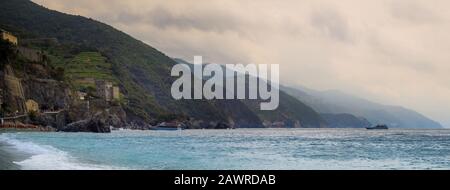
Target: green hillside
143, 72
91, 48
89, 64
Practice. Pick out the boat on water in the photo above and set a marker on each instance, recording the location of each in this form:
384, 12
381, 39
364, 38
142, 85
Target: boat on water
378, 127
168, 126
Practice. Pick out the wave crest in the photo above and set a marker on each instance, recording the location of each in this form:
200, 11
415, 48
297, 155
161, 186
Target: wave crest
45, 157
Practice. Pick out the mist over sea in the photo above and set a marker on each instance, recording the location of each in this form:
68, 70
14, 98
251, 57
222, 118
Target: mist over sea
229, 149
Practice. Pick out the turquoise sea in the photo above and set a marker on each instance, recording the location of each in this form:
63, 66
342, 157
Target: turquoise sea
257, 149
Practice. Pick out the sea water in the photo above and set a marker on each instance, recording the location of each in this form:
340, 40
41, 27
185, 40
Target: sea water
285, 149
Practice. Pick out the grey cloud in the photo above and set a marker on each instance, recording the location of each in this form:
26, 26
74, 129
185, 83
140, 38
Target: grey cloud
403, 58
128, 17
163, 18
331, 23
412, 12
206, 21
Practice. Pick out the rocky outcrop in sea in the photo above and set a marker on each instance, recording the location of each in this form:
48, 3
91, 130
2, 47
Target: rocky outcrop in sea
99, 123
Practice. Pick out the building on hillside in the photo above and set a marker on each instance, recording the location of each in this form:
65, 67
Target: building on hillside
115, 93
82, 95
31, 106
103, 89
106, 90
7, 36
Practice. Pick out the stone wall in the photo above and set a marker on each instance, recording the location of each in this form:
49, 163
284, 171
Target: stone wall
14, 95
115, 93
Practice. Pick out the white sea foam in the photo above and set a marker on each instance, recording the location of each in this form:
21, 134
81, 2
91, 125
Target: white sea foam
44, 157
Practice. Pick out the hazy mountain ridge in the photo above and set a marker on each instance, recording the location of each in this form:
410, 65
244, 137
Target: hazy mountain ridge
336, 102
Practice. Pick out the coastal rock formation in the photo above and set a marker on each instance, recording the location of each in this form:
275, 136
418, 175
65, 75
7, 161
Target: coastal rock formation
222, 125
96, 124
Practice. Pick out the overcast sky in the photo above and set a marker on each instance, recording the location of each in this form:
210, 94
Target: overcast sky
390, 51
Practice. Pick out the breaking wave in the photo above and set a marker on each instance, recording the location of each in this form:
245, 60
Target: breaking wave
44, 157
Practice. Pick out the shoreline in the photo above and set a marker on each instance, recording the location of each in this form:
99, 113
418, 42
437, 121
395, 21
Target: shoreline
8, 155
18, 154
13, 126
7, 158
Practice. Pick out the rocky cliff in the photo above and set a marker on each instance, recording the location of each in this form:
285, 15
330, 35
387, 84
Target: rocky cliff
32, 95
